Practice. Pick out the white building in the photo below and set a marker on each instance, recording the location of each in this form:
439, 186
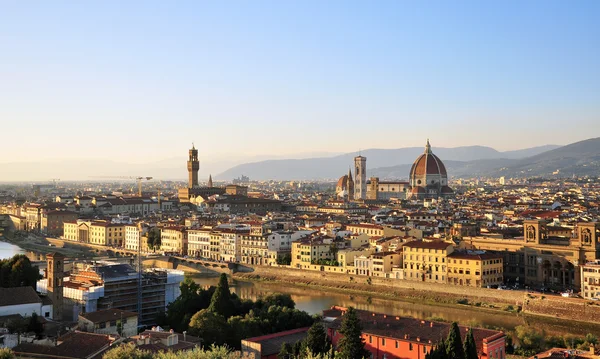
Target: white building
24, 301
133, 236
199, 242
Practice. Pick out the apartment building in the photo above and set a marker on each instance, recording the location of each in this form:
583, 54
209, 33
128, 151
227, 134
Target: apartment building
426, 260
52, 222
199, 242
475, 268
174, 240
310, 250
231, 244
590, 280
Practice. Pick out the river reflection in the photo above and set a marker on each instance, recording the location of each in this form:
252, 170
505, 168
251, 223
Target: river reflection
314, 301
8, 250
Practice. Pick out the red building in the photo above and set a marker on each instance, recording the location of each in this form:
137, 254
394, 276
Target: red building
392, 337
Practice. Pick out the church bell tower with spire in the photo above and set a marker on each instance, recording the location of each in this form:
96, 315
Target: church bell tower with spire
193, 166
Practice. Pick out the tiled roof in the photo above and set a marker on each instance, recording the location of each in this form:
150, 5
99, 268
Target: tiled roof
414, 330
77, 345
429, 245
107, 315
18, 295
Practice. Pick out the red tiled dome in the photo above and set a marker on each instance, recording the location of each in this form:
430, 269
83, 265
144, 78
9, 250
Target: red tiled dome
427, 164
342, 181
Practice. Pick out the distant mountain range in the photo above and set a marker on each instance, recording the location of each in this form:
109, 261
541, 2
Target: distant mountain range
580, 158
384, 163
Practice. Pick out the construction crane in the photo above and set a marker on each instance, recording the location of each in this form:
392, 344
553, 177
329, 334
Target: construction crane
139, 180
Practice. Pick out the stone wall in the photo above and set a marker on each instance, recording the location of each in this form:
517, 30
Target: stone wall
546, 305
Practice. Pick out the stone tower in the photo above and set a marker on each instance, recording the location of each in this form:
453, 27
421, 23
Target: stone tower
55, 274
360, 177
193, 166
210, 182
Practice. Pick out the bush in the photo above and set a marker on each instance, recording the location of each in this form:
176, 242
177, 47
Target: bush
462, 301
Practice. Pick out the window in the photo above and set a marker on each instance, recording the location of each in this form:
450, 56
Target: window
370, 339
113, 323
396, 344
409, 346
383, 341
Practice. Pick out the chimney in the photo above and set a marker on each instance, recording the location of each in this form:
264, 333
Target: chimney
430, 324
373, 314
384, 316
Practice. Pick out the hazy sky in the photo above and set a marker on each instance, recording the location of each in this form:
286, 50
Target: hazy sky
141, 80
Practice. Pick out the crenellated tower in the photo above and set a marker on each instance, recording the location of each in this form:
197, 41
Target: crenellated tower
193, 166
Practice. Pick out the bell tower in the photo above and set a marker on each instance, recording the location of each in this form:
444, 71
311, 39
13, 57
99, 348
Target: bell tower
360, 177
55, 274
193, 166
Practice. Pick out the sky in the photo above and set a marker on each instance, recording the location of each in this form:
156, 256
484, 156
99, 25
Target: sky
139, 81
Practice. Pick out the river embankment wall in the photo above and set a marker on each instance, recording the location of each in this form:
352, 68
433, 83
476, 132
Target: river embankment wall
508, 300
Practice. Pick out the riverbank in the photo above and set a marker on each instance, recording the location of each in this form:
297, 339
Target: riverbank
481, 299
38, 246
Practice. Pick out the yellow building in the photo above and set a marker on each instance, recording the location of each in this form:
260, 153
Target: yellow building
174, 240
475, 269
345, 257
107, 234
384, 262
311, 250
426, 260
101, 233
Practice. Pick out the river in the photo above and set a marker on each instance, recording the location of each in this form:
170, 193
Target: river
314, 301
8, 250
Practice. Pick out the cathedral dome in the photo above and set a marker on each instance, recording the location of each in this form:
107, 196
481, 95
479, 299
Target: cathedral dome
428, 164
428, 176
342, 182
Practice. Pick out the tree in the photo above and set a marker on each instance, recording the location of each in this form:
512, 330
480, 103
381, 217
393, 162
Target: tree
220, 302
18, 272
34, 324
316, 339
470, 348
286, 259
210, 326
192, 299
153, 239
127, 351
285, 352
6, 353
351, 344
531, 342
454, 346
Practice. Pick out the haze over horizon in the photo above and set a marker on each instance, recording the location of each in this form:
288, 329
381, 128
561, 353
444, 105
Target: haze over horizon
137, 82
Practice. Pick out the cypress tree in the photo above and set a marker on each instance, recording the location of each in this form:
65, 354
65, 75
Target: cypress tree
470, 347
220, 302
316, 339
454, 346
351, 344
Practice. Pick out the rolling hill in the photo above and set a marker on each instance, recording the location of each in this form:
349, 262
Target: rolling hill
385, 163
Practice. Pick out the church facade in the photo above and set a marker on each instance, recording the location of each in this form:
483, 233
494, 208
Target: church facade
427, 179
